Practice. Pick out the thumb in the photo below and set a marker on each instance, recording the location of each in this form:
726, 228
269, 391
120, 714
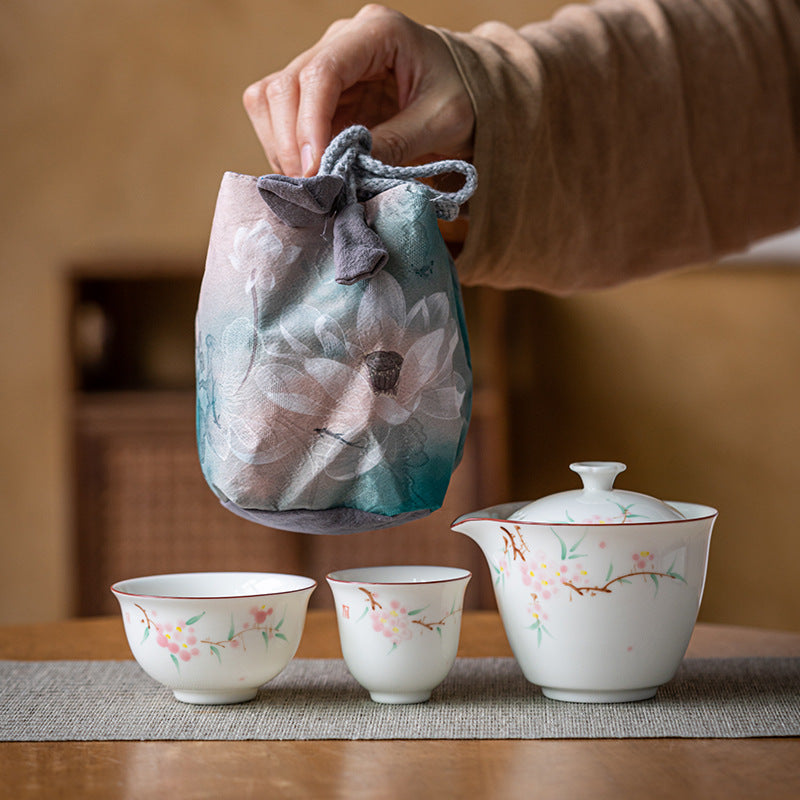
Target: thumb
437, 125
403, 138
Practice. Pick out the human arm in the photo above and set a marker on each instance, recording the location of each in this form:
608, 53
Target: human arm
626, 138
612, 142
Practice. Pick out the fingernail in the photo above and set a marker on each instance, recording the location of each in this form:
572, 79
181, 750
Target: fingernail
306, 159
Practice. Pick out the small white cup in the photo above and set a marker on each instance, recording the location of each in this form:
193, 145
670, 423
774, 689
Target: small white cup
399, 627
214, 637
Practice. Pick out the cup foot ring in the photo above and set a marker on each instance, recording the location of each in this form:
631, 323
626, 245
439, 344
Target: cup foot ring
400, 697
210, 697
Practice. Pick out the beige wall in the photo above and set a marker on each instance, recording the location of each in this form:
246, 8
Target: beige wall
117, 121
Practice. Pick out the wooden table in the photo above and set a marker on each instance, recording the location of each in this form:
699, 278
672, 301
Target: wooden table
596, 768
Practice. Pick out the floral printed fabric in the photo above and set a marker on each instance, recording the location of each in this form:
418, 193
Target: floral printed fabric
324, 407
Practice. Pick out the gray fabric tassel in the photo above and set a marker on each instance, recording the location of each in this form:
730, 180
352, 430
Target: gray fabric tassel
300, 201
358, 251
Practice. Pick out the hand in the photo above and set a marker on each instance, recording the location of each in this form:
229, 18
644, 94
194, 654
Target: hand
379, 69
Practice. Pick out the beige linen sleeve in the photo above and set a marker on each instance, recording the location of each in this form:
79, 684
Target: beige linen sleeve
629, 137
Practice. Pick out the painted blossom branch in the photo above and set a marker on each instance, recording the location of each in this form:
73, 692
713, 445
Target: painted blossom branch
267, 628
372, 601
431, 625
516, 550
146, 617
590, 589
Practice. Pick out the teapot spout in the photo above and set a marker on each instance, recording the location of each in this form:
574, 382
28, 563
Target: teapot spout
484, 526
470, 526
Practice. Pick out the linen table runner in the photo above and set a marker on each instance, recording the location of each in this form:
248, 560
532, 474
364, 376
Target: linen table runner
482, 698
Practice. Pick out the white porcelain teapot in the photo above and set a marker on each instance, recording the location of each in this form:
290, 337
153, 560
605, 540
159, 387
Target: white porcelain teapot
598, 588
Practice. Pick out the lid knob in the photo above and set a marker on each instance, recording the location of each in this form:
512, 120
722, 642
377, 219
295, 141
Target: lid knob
597, 503
598, 475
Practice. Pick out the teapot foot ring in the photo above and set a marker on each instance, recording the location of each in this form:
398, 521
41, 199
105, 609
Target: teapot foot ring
601, 696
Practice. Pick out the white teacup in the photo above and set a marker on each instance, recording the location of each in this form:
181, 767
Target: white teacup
214, 637
399, 627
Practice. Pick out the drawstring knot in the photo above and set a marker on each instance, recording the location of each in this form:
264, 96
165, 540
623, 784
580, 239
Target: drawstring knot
348, 176
348, 156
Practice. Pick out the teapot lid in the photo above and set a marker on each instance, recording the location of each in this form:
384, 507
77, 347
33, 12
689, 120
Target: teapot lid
598, 502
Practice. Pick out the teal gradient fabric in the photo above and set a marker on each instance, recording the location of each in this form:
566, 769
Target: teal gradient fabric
324, 407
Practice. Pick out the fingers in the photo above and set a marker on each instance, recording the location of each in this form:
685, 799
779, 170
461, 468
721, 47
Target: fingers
321, 87
271, 104
291, 110
254, 101
302, 99
282, 95
363, 70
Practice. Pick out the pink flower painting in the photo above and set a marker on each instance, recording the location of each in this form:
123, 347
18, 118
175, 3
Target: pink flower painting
183, 643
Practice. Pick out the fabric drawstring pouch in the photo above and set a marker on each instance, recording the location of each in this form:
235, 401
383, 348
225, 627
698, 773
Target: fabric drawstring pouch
333, 375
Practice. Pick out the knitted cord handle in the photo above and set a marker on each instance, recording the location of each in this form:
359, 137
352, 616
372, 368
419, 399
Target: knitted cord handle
348, 157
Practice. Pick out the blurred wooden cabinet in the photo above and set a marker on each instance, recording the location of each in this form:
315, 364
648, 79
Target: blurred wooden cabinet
141, 504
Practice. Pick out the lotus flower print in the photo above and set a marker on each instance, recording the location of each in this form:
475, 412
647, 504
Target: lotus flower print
226, 394
395, 363
260, 254
225, 398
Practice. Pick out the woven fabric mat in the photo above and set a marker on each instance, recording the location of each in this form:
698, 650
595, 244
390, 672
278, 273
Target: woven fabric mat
482, 698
